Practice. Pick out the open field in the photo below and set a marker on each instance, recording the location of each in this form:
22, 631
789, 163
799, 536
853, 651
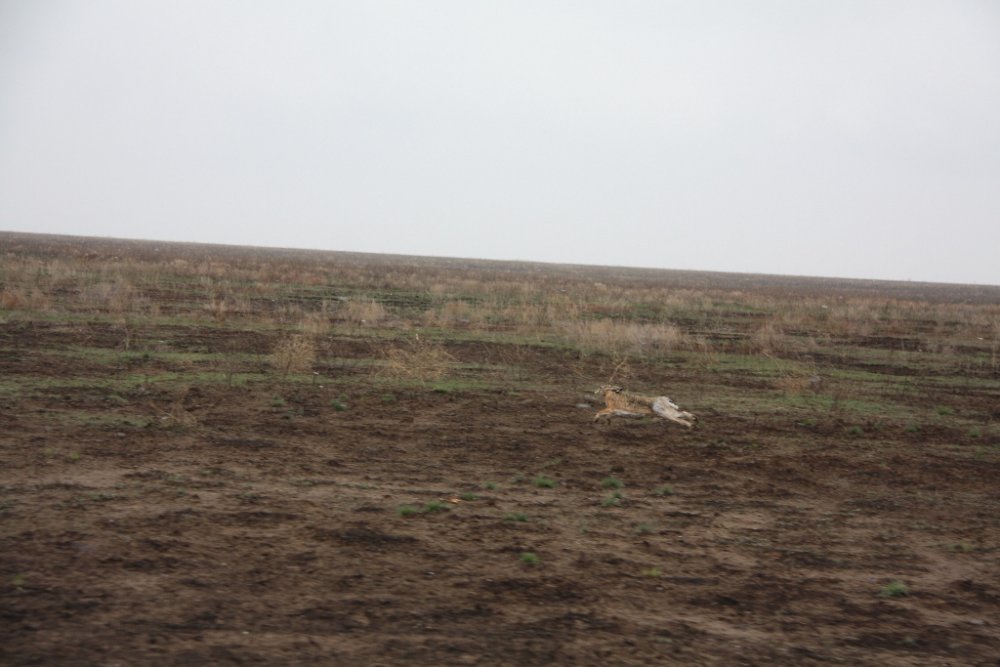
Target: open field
216, 455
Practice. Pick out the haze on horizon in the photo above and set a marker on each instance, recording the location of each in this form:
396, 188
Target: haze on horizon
856, 139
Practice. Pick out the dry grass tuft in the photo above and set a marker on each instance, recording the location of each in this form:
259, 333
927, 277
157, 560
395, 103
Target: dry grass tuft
314, 324
217, 308
622, 338
294, 353
769, 338
25, 299
363, 311
456, 314
112, 296
420, 360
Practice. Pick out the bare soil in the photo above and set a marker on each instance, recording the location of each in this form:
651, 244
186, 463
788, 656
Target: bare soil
262, 524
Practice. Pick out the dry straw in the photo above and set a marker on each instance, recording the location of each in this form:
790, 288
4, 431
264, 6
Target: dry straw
363, 311
294, 353
621, 337
420, 360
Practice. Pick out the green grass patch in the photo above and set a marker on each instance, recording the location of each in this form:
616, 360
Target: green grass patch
827, 403
529, 558
614, 500
544, 482
612, 483
895, 589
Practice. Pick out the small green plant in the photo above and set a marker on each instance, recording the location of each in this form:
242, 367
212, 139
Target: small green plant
436, 506
73, 457
663, 491
278, 402
516, 516
975, 432
529, 558
543, 482
913, 427
612, 483
468, 496
945, 410
338, 404
517, 479
389, 398
643, 529
855, 431
17, 580
407, 510
895, 589
614, 500
116, 399
652, 572
962, 547
490, 486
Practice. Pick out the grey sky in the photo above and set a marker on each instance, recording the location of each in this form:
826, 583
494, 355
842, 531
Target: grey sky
856, 139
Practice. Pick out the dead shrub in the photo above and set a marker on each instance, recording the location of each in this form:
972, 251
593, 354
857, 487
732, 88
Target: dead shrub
420, 360
294, 353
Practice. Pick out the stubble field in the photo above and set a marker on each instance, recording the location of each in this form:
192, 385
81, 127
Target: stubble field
214, 455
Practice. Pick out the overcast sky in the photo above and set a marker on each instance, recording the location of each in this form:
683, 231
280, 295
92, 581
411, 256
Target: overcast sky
854, 139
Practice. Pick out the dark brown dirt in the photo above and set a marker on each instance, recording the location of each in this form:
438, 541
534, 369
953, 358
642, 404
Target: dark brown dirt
232, 528
152, 514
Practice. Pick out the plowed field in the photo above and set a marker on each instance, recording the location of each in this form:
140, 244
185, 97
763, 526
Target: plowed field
346, 520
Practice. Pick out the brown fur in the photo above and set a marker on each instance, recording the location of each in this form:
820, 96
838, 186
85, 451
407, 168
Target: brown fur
621, 403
